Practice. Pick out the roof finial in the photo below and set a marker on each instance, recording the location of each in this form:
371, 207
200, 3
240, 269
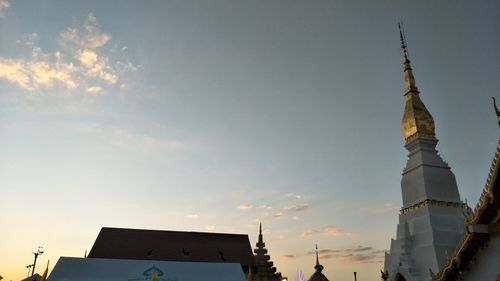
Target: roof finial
318, 266
403, 40
261, 240
496, 110
317, 257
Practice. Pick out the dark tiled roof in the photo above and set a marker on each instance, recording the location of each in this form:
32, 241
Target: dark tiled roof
122, 243
318, 276
36, 277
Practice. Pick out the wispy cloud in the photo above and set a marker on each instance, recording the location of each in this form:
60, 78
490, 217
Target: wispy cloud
279, 215
210, 227
326, 230
287, 257
245, 206
94, 90
266, 207
192, 216
297, 208
80, 64
359, 254
295, 218
126, 139
378, 209
293, 195
4, 4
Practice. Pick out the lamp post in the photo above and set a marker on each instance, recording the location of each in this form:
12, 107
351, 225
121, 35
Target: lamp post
39, 251
29, 266
355, 278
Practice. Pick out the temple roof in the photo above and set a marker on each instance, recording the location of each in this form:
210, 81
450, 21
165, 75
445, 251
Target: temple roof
141, 244
484, 213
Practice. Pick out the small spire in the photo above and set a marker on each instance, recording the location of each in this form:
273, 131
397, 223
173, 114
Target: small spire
317, 257
260, 233
318, 266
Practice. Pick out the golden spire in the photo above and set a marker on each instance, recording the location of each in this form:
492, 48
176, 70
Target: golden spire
417, 121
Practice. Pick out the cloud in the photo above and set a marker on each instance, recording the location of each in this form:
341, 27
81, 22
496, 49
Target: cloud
295, 218
39, 72
4, 4
266, 207
90, 36
308, 233
94, 90
326, 230
297, 208
333, 231
210, 227
279, 215
126, 139
88, 58
245, 206
292, 195
379, 209
359, 254
191, 216
80, 64
287, 256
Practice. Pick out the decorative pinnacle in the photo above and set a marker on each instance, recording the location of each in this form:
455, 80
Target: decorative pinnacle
496, 110
260, 233
403, 41
410, 85
318, 266
317, 258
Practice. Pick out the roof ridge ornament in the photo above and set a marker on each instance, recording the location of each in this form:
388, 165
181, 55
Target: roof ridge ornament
496, 110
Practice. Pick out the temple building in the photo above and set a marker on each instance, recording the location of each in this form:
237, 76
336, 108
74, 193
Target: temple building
318, 275
431, 220
265, 270
143, 254
477, 255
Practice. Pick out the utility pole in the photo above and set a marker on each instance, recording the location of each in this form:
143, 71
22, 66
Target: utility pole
355, 278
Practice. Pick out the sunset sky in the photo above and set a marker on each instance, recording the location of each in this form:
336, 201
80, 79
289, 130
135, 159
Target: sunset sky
217, 115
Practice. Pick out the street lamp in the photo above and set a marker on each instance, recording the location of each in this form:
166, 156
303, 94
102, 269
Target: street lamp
29, 266
39, 251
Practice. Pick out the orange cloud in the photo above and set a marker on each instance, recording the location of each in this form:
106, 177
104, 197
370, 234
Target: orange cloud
326, 230
77, 65
245, 206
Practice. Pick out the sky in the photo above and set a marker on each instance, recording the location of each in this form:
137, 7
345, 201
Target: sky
217, 115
